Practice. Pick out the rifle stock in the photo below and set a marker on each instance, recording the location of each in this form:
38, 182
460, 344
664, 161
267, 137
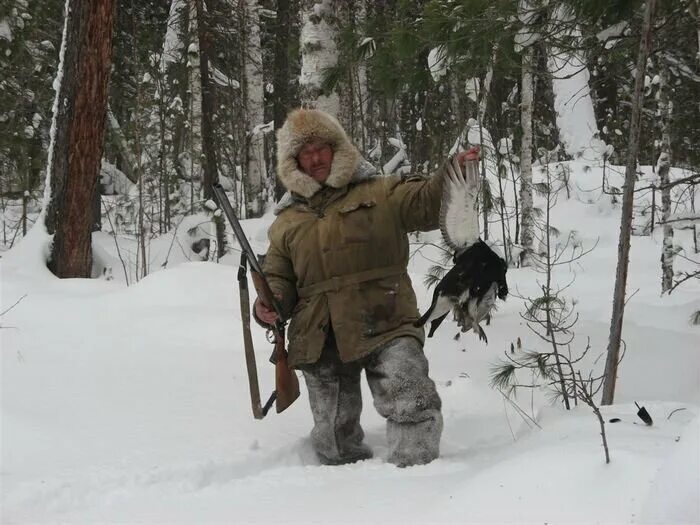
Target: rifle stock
286, 381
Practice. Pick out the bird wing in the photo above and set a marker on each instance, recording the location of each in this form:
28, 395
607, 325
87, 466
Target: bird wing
459, 221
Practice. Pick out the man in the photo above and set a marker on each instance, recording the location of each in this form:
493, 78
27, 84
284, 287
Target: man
337, 261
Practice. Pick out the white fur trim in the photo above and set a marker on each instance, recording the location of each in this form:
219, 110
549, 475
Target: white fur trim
306, 125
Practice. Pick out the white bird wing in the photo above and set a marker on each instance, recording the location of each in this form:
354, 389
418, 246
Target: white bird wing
459, 221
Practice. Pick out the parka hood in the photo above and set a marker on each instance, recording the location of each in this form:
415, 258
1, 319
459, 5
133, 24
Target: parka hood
305, 125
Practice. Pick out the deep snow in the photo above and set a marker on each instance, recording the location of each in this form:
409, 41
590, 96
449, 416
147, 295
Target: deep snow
130, 404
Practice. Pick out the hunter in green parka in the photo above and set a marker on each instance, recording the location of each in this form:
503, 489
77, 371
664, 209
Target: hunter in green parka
338, 253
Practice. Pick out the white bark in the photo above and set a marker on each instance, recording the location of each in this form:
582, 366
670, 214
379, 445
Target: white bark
194, 166
256, 169
665, 112
486, 89
526, 107
318, 52
361, 89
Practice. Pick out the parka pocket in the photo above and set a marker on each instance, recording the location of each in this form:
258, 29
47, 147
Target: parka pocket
356, 221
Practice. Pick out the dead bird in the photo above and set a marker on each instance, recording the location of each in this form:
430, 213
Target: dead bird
469, 314
478, 277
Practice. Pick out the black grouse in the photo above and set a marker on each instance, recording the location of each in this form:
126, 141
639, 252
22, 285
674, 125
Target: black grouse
478, 276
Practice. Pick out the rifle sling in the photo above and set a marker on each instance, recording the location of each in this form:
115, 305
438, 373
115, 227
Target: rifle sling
258, 412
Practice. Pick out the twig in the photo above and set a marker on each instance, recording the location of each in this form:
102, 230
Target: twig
11, 307
517, 408
505, 411
674, 411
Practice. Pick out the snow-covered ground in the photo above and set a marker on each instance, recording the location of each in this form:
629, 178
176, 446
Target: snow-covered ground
130, 404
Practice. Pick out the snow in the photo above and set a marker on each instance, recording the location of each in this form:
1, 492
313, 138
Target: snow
399, 157
437, 63
573, 104
223, 80
172, 44
611, 35
129, 404
265, 127
5, 30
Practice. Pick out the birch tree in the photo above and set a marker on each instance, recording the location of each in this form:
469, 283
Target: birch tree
76, 147
319, 52
172, 115
194, 137
663, 166
360, 82
623, 253
256, 170
525, 40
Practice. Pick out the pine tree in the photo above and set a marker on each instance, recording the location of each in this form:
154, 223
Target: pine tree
80, 109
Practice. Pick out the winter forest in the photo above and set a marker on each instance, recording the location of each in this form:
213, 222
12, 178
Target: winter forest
124, 389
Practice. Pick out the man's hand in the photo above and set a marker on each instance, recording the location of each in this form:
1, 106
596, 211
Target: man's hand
470, 154
264, 314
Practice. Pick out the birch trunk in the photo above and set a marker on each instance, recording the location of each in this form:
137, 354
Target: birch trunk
77, 134
526, 204
663, 168
318, 53
194, 165
484, 93
256, 169
618, 308
361, 90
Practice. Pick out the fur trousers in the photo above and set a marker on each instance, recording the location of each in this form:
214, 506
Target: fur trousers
403, 393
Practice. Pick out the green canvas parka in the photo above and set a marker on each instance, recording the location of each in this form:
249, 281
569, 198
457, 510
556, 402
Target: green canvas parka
338, 256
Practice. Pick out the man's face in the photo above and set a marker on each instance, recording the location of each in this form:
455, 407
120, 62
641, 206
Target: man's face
315, 159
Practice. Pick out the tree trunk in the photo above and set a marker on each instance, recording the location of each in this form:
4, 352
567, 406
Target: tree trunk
173, 83
318, 53
194, 166
361, 90
351, 87
281, 74
483, 97
618, 308
210, 170
78, 135
256, 169
526, 205
663, 167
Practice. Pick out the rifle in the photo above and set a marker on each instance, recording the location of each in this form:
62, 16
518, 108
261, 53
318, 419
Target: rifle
286, 382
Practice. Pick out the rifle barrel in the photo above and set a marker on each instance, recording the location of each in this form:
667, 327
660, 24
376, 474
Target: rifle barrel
225, 205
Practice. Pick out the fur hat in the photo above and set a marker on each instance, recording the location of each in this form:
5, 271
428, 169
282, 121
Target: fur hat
307, 125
